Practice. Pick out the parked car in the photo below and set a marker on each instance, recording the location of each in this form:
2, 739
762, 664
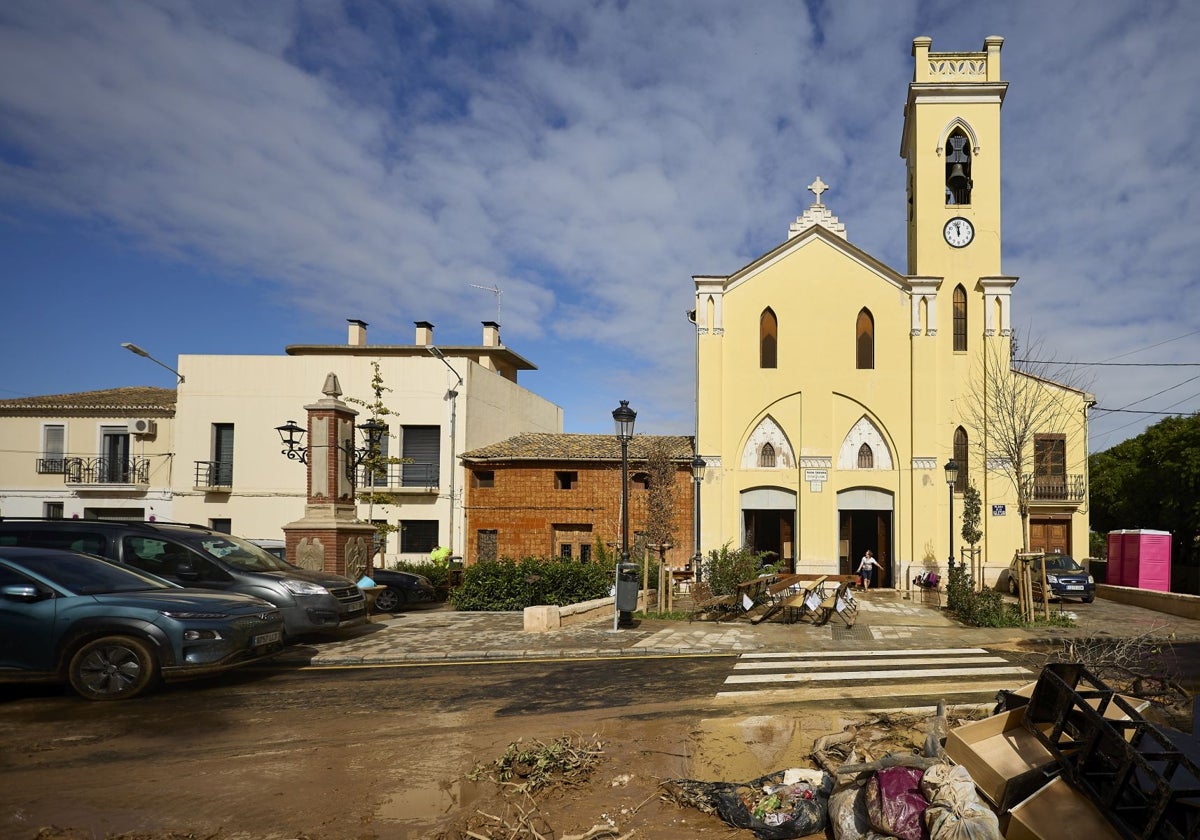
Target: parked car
275, 547
112, 632
194, 556
402, 588
1065, 577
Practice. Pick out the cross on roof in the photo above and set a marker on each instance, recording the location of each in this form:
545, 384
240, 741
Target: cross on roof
817, 187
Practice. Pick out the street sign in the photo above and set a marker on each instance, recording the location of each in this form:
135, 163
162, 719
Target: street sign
816, 475
998, 510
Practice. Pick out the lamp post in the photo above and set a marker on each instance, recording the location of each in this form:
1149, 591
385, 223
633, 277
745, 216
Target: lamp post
133, 348
951, 479
698, 467
453, 395
623, 419
291, 434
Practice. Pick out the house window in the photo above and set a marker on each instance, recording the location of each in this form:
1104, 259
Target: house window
564, 551
640, 480
225, 526
565, 479
1050, 466
766, 456
768, 339
52, 510
958, 168
960, 458
585, 552
375, 469
380, 538
866, 458
418, 536
865, 341
483, 479
54, 437
960, 318
422, 451
222, 455
486, 540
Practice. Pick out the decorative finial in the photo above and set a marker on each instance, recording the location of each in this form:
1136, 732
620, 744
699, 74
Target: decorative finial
817, 187
333, 388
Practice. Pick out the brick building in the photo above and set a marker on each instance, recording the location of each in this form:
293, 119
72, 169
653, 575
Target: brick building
546, 495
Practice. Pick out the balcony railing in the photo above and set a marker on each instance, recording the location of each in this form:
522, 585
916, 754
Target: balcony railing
401, 477
52, 466
1054, 488
213, 475
106, 470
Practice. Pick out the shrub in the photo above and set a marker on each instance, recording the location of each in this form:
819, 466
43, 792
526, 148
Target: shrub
725, 568
507, 585
986, 608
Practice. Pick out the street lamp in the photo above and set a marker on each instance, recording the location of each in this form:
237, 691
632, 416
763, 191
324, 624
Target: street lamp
698, 467
623, 418
133, 348
453, 395
951, 479
291, 434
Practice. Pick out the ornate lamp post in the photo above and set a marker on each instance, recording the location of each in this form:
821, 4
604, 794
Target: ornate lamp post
951, 479
623, 418
292, 436
698, 467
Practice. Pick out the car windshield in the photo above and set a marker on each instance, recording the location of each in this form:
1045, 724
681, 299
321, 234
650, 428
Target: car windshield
78, 574
1062, 563
243, 555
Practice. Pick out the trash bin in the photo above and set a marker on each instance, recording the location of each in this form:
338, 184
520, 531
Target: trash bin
627, 591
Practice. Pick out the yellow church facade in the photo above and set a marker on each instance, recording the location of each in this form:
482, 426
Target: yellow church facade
837, 396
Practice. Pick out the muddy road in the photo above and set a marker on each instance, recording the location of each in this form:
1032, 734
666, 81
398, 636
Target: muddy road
334, 754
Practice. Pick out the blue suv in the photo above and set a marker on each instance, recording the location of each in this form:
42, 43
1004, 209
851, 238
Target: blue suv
114, 632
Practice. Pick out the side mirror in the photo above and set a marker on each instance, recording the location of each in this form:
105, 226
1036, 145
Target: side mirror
26, 592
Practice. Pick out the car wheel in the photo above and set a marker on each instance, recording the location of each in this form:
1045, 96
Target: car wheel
1012, 585
1087, 599
387, 601
113, 668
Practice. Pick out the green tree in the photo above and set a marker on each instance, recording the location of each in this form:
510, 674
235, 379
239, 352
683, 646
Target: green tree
659, 529
972, 506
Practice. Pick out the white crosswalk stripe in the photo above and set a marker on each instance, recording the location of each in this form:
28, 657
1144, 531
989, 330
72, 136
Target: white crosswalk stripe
910, 677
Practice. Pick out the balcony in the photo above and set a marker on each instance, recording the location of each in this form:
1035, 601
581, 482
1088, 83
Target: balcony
1054, 489
107, 473
213, 477
402, 478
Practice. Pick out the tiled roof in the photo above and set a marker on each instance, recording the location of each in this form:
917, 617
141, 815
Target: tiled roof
565, 447
122, 400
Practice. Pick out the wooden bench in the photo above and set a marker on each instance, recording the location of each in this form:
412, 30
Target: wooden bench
840, 603
704, 602
805, 601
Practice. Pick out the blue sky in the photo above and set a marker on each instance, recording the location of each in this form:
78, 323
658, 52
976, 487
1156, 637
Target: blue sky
234, 177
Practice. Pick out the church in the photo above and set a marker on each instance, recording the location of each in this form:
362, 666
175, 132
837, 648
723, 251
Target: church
845, 406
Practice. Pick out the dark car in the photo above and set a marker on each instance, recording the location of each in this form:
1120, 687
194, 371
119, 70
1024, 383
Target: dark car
1065, 577
113, 632
201, 558
402, 588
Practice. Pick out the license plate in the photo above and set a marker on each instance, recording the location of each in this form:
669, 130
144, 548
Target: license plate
357, 608
265, 639
1075, 588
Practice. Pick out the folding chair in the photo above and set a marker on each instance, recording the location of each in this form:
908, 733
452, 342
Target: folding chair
806, 600
841, 603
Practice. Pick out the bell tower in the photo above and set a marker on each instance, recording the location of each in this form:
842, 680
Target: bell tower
951, 144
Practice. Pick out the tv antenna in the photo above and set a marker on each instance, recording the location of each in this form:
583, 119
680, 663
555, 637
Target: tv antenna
494, 290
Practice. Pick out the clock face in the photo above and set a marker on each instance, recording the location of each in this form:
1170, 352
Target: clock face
958, 232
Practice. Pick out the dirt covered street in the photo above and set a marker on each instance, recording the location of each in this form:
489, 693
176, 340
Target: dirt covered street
364, 754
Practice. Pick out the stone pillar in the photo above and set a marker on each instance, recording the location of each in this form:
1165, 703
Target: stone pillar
329, 537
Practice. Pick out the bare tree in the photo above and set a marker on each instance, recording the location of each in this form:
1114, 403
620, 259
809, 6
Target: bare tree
660, 503
1012, 402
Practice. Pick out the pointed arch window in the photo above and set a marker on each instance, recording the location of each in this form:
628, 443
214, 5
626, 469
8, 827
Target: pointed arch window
864, 335
958, 168
960, 318
766, 456
768, 339
960, 458
866, 458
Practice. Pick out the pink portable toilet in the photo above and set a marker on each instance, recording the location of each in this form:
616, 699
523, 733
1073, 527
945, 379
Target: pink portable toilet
1116, 555
1145, 559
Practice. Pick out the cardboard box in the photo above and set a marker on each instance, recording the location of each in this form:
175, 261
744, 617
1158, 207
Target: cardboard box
1058, 812
1006, 761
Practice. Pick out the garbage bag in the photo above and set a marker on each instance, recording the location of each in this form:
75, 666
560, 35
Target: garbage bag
771, 806
848, 815
895, 804
956, 811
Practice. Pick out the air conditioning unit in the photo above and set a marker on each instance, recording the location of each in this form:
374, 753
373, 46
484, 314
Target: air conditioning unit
141, 426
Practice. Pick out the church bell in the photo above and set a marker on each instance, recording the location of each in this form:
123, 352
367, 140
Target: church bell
957, 179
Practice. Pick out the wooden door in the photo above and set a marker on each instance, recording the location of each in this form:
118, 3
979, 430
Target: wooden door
1052, 536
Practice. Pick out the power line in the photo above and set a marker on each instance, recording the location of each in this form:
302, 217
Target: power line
1109, 364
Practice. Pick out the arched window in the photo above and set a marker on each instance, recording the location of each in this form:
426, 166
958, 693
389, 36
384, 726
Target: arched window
958, 168
766, 456
866, 458
960, 318
865, 341
768, 339
960, 458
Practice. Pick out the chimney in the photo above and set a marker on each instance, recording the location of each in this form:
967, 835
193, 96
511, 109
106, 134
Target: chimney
491, 334
358, 333
424, 333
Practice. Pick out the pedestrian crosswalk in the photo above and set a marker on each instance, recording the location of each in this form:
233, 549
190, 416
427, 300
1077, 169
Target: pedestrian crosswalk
873, 678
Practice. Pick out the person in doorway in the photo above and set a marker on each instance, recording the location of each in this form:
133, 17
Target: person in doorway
866, 570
